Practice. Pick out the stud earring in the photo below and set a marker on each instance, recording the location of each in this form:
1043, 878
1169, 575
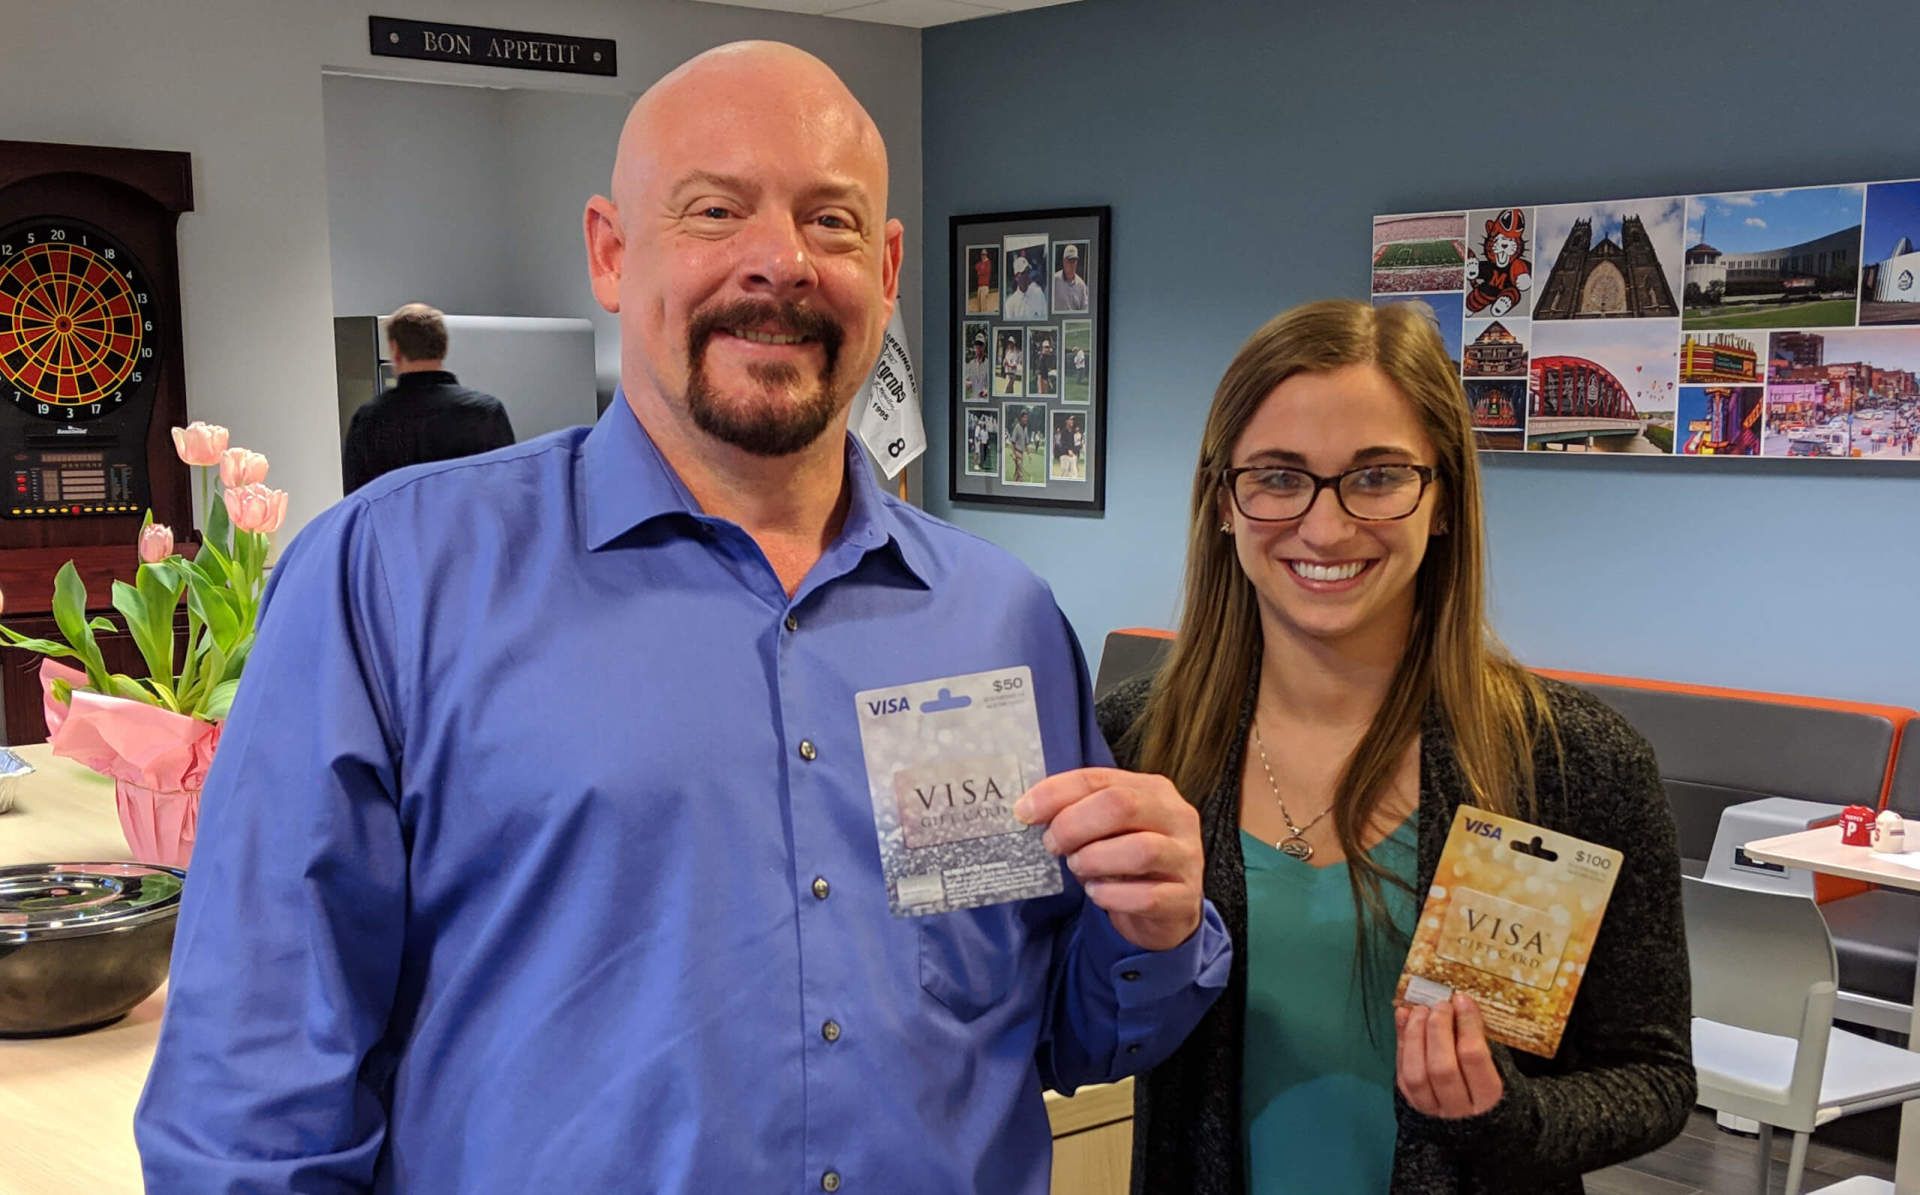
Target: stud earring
1226, 528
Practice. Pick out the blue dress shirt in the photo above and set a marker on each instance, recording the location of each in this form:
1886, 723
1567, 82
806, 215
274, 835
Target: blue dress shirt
538, 856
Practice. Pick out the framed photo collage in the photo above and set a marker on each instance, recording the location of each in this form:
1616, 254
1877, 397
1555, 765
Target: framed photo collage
1028, 343
1782, 323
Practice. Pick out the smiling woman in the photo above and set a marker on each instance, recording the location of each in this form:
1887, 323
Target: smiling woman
1332, 698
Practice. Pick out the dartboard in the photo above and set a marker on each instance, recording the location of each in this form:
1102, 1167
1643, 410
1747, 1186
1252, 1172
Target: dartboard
76, 328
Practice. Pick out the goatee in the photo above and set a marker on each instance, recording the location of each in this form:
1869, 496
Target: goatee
782, 418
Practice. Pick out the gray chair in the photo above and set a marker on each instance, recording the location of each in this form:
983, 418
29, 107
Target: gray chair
1135, 651
1764, 1045
1719, 748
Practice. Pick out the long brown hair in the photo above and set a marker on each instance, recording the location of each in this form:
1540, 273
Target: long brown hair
1493, 709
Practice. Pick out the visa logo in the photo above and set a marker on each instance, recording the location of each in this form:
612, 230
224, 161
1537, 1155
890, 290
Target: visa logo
1484, 829
971, 792
888, 705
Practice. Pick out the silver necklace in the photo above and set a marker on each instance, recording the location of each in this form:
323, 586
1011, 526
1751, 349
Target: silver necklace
1295, 844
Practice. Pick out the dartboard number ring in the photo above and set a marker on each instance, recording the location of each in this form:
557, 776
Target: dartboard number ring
76, 320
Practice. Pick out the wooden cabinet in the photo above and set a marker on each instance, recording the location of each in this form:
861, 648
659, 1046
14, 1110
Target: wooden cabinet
1092, 1139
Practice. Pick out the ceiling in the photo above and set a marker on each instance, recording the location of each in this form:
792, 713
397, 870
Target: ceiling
916, 14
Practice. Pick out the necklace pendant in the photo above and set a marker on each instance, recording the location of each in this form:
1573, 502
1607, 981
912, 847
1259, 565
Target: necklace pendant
1296, 847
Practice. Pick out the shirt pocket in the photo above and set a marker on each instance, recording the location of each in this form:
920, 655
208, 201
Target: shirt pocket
970, 960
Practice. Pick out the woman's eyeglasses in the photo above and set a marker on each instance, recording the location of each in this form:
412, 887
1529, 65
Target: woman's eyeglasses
1370, 493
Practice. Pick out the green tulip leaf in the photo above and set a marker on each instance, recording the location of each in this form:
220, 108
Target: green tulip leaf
219, 526
45, 647
121, 685
216, 607
221, 701
237, 658
161, 591
70, 612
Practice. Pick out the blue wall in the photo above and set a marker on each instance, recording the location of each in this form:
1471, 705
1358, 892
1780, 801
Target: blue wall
1244, 146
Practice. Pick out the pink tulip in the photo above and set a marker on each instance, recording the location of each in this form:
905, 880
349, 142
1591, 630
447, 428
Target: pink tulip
200, 443
256, 508
240, 468
156, 543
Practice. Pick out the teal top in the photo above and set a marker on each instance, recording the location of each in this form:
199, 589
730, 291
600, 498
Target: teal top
1317, 1088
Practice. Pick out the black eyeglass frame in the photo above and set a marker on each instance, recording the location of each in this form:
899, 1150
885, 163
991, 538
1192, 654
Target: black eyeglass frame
1228, 478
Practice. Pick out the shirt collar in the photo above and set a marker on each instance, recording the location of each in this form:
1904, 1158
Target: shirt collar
626, 484
425, 377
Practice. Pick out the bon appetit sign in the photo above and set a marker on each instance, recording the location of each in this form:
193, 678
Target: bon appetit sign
391, 37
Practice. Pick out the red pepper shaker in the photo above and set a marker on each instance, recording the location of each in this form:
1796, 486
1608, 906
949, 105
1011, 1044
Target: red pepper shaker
1856, 825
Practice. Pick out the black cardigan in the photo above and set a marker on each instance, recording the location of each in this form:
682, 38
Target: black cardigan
1622, 1083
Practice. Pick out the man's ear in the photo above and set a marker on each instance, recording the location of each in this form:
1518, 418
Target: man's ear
892, 250
606, 251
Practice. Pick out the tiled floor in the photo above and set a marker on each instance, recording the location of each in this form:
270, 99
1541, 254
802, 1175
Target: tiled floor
1706, 1161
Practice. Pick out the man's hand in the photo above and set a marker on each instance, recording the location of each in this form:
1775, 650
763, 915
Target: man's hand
1133, 843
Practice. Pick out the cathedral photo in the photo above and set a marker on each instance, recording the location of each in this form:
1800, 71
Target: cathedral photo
1611, 262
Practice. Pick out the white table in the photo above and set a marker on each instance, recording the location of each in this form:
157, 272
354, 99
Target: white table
1820, 850
66, 1103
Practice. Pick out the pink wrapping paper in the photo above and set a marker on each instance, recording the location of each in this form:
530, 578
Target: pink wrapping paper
160, 826
158, 760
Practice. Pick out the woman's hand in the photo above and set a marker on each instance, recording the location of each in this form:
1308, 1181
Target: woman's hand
1444, 1066
1133, 843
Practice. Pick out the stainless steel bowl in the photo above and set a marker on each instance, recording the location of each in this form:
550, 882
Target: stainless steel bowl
82, 943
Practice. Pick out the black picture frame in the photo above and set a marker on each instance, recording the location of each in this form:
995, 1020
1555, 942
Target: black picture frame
1045, 362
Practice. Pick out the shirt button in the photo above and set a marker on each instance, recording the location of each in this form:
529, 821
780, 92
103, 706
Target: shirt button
821, 888
806, 750
830, 1031
1129, 976
793, 624
830, 1181
1133, 1048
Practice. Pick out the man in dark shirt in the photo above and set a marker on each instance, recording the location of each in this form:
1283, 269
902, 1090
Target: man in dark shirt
428, 415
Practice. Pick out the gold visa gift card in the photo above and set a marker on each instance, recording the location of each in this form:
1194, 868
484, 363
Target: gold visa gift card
1510, 920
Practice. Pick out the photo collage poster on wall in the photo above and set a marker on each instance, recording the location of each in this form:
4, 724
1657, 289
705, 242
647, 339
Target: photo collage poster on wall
1029, 359
1755, 323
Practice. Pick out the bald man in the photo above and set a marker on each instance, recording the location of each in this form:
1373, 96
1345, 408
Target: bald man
538, 853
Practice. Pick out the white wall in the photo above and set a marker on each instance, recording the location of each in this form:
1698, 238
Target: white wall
563, 146
238, 84
468, 198
420, 196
